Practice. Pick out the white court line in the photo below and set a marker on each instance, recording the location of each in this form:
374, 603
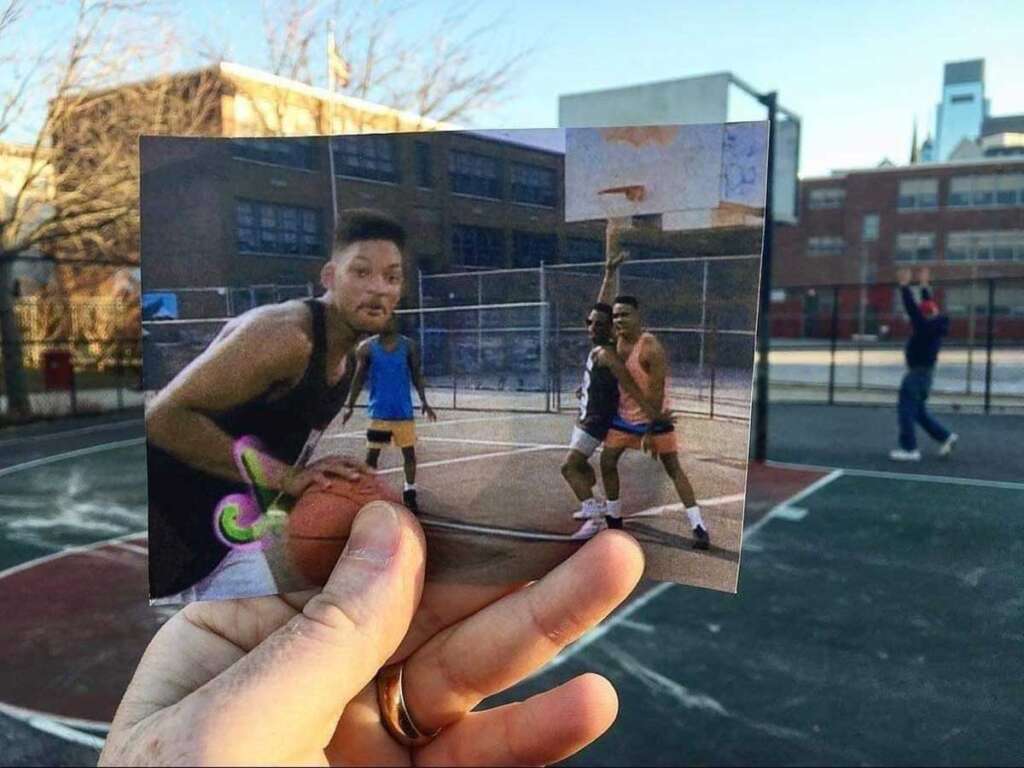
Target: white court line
512, 533
461, 459
886, 475
57, 726
600, 631
441, 423
77, 550
70, 455
131, 547
76, 431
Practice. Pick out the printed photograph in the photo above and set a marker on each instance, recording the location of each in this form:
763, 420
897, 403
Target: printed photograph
525, 337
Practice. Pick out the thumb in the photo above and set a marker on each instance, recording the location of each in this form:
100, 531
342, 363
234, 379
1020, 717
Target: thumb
299, 680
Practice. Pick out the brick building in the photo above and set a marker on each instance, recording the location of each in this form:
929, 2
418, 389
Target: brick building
243, 213
963, 220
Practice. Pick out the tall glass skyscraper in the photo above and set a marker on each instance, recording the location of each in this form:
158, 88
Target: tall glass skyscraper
963, 108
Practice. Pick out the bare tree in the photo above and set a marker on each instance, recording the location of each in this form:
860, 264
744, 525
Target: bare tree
77, 202
450, 71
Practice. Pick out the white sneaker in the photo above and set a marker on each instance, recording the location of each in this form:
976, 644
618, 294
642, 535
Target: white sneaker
597, 510
591, 528
947, 447
899, 454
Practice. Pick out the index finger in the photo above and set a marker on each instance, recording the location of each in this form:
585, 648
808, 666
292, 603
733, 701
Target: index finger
505, 642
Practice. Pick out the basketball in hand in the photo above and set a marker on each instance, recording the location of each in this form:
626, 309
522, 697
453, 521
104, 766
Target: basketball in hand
319, 523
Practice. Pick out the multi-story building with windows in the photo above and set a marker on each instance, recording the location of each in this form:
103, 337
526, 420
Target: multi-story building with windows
965, 221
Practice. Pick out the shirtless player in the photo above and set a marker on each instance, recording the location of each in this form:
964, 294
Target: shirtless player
647, 363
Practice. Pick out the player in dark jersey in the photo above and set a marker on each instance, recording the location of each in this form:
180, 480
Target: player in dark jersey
277, 373
599, 402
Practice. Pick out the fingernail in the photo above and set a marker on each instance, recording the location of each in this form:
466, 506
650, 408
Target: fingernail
376, 533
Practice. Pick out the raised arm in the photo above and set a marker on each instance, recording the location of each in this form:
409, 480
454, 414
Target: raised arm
625, 379
263, 351
418, 381
909, 304
613, 258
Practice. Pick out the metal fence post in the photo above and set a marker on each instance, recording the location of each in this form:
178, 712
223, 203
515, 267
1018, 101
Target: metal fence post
713, 355
832, 355
988, 343
545, 374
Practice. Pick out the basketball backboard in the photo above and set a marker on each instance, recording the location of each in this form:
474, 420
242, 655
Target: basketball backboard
694, 176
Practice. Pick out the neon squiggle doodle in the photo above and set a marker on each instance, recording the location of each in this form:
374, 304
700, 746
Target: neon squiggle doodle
242, 520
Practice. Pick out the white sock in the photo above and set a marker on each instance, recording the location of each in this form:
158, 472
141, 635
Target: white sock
613, 508
410, 487
693, 514
588, 505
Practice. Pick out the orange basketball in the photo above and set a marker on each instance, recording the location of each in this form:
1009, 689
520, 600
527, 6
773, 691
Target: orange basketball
319, 523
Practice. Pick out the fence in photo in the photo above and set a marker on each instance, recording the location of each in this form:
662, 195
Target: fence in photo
515, 339
844, 344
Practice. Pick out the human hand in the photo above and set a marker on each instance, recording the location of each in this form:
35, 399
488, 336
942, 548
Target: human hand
429, 412
903, 276
292, 678
321, 472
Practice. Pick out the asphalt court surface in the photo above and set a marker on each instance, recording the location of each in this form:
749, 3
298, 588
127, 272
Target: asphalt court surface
502, 473
878, 619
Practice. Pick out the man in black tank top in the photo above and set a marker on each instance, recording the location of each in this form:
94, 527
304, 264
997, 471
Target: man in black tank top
599, 403
279, 373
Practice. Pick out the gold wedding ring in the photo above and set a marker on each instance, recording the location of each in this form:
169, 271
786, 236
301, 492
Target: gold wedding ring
394, 715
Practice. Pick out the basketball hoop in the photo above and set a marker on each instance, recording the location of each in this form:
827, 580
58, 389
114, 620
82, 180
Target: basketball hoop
622, 202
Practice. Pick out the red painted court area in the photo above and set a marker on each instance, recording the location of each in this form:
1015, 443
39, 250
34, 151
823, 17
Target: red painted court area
77, 620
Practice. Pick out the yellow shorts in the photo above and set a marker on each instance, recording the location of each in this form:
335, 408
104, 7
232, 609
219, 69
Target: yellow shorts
381, 433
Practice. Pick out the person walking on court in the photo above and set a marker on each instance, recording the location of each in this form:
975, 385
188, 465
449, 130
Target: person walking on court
393, 365
928, 327
279, 373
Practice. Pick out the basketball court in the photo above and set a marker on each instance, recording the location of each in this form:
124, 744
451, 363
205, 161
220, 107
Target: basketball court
877, 617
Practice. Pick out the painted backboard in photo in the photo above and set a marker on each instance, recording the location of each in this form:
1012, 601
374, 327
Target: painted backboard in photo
466, 274
694, 176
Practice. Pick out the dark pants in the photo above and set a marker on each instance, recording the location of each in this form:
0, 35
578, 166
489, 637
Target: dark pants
917, 383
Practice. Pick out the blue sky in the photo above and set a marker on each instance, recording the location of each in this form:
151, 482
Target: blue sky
858, 73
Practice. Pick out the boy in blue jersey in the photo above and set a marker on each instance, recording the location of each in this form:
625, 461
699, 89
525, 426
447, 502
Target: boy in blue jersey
393, 365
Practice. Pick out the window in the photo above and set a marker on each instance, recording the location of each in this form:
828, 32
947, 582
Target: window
825, 246
831, 197
1005, 245
424, 171
365, 157
918, 194
1004, 189
915, 247
533, 185
579, 250
869, 229
1010, 189
279, 229
958, 299
530, 249
477, 246
965, 98
291, 153
474, 174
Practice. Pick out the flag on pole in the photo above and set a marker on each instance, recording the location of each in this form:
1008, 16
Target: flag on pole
339, 68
